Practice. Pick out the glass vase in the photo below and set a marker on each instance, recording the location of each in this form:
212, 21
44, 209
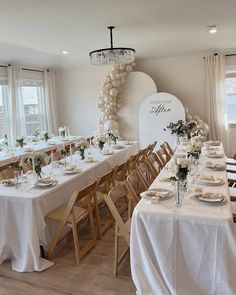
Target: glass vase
180, 192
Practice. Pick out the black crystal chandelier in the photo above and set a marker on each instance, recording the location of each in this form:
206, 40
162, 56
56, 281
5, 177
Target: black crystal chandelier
112, 55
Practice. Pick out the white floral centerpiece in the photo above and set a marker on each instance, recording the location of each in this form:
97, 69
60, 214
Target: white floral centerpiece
5, 140
82, 144
36, 161
45, 135
113, 135
20, 141
100, 139
62, 131
195, 146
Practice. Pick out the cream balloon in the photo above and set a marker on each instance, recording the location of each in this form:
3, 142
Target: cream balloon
128, 68
111, 124
116, 83
108, 85
113, 92
122, 67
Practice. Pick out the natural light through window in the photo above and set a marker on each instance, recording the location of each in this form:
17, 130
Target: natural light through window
231, 96
4, 118
32, 98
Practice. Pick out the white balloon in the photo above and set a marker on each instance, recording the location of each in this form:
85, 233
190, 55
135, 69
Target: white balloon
108, 99
111, 124
108, 85
108, 79
133, 64
122, 67
128, 68
189, 117
105, 91
113, 92
116, 83
122, 80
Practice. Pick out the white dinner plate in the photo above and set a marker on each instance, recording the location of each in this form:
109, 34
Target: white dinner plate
217, 181
163, 193
74, 171
107, 153
118, 147
210, 198
9, 182
44, 185
215, 156
213, 143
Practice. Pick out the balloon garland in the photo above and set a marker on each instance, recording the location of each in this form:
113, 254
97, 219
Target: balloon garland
110, 97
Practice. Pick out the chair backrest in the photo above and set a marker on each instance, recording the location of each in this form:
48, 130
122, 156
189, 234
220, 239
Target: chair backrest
166, 152
137, 183
146, 172
57, 154
105, 182
120, 172
133, 162
171, 152
7, 173
162, 161
117, 193
155, 162
151, 148
87, 194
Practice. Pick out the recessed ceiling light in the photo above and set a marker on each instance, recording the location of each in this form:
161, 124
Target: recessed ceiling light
212, 29
65, 52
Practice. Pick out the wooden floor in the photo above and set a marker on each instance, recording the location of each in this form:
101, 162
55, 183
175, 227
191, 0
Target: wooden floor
93, 276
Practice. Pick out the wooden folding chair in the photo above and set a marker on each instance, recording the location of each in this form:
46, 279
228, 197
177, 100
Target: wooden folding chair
133, 163
155, 162
120, 172
122, 225
162, 160
7, 172
104, 185
166, 151
72, 215
146, 171
151, 148
137, 183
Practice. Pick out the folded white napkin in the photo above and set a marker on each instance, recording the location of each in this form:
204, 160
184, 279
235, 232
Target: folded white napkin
211, 197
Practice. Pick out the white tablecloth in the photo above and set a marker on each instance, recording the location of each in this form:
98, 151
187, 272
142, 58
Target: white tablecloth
22, 211
190, 250
41, 146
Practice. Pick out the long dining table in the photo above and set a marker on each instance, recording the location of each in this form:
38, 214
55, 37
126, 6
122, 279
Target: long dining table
14, 154
23, 227
189, 248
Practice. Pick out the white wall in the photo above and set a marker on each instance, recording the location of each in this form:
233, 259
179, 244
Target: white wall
78, 89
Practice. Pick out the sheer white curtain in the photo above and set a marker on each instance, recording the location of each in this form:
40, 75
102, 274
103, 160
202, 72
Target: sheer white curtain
50, 101
216, 99
16, 102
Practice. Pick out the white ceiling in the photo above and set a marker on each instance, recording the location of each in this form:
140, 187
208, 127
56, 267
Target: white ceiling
34, 32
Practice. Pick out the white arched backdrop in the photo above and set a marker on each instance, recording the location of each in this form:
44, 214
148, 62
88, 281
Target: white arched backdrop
155, 113
138, 85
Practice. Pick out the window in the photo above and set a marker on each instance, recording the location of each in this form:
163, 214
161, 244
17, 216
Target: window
4, 109
231, 95
32, 94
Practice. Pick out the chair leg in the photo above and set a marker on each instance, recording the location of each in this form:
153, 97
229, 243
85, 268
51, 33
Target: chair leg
76, 242
116, 250
98, 219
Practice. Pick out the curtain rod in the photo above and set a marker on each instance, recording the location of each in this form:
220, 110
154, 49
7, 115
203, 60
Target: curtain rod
232, 54
25, 69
